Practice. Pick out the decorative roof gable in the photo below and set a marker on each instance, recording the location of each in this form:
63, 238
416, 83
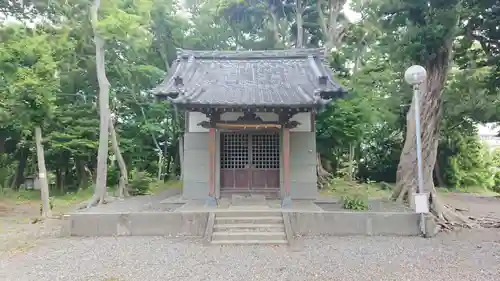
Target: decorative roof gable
278, 78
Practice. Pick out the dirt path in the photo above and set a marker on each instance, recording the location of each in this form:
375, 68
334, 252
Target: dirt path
474, 205
18, 233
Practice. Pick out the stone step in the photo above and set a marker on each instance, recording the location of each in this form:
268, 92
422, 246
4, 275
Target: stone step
249, 242
250, 236
249, 227
247, 212
248, 219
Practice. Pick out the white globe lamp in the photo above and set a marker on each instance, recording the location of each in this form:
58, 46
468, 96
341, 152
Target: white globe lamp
415, 75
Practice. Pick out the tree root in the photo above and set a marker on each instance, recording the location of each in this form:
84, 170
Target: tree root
322, 174
447, 217
94, 201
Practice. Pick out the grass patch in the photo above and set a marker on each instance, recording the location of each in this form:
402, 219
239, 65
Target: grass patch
63, 202
478, 190
159, 186
341, 188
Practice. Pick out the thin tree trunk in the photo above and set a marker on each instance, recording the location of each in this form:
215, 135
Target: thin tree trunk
153, 137
168, 158
299, 10
437, 173
42, 174
18, 178
351, 162
123, 182
276, 27
332, 29
102, 153
59, 179
160, 165
175, 165
181, 156
82, 176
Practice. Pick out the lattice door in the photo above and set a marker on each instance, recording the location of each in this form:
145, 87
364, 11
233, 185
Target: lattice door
265, 159
235, 160
250, 161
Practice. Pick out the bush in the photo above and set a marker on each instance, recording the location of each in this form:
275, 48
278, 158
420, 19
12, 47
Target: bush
113, 175
355, 202
496, 179
139, 183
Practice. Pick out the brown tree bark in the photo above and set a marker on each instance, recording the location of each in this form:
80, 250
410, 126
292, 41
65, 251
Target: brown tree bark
102, 153
275, 25
123, 182
321, 173
438, 175
81, 174
299, 11
18, 178
430, 104
42, 174
331, 27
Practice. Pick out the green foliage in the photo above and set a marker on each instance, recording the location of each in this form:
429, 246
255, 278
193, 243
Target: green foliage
355, 202
470, 164
139, 183
48, 79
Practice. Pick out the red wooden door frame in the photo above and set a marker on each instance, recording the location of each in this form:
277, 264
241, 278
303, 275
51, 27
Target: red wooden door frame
232, 178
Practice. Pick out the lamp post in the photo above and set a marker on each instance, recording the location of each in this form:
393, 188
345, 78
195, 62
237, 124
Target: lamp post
415, 75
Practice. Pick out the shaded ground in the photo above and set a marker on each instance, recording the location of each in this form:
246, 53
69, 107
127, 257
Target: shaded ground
138, 204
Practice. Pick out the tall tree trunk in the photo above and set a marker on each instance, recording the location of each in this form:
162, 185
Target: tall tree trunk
331, 27
276, 25
175, 164
168, 158
42, 174
299, 11
3, 139
437, 173
160, 166
102, 153
181, 156
350, 173
123, 182
18, 178
59, 179
81, 173
407, 174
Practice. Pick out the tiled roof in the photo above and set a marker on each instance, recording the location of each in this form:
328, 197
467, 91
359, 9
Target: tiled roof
294, 77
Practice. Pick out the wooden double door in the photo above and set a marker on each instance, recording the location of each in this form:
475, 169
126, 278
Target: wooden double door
250, 162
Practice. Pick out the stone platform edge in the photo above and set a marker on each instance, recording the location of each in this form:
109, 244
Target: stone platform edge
195, 224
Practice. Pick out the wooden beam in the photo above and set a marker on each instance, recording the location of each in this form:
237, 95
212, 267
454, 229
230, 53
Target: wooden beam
247, 126
286, 161
211, 163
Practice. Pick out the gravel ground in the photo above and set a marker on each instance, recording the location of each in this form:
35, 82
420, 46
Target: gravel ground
464, 256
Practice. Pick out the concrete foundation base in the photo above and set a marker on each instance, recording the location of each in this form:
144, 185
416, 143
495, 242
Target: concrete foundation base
355, 223
137, 224
195, 223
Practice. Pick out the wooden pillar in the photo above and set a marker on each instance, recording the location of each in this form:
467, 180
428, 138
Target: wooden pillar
286, 166
211, 163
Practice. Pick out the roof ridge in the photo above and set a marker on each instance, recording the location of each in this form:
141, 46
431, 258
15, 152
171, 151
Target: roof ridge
254, 54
